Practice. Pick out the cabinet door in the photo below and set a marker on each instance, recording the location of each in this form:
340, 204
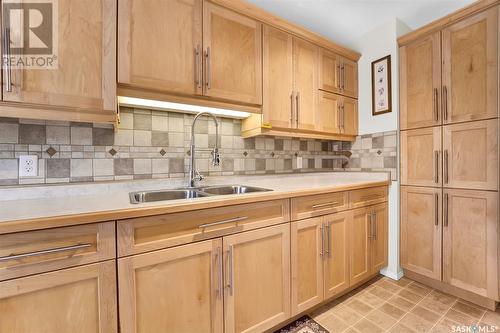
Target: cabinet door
470, 155
421, 227
349, 75
257, 279
173, 290
85, 78
379, 237
160, 45
79, 300
233, 55
336, 253
329, 71
360, 245
470, 241
307, 250
420, 82
421, 157
349, 117
328, 117
278, 81
470, 68
306, 57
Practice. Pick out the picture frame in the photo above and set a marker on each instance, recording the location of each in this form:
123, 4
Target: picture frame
381, 86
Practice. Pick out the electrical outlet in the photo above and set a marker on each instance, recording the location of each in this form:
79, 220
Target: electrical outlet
299, 162
28, 166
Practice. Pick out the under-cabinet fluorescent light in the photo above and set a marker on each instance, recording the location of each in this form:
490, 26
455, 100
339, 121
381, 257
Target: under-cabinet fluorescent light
179, 107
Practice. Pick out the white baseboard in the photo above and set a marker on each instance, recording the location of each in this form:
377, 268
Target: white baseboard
392, 274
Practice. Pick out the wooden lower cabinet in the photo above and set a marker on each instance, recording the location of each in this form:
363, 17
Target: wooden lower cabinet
77, 300
257, 279
378, 246
421, 229
175, 290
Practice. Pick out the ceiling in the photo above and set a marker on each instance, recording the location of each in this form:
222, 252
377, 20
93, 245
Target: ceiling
345, 21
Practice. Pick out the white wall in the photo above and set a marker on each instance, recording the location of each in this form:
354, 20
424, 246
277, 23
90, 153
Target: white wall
374, 45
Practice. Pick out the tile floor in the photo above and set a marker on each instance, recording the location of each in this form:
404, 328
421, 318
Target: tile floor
385, 305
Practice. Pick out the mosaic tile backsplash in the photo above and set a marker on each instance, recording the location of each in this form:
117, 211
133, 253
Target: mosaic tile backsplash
153, 144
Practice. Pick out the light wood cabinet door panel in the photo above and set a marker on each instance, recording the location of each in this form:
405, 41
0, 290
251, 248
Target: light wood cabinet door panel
86, 74
306, 57
233, 55
257, 279
420, 82
360, 245
421, 228
328, 117
329, 71
349, 78
160, 45
470, 68
379, 238
278, 78
307, 249
336, 253
421, 157
349, 117
79, 300
470, 155
174, 290
470, 241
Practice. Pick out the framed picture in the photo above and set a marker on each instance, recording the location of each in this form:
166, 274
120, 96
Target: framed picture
381, 86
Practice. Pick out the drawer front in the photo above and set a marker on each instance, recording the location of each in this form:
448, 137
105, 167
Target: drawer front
157, 232
316, 205
367, 196
32, 252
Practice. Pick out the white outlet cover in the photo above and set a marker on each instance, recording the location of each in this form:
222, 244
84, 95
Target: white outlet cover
299, 162
28, 166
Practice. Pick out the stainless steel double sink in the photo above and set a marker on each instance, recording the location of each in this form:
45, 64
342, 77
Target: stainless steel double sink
190, 193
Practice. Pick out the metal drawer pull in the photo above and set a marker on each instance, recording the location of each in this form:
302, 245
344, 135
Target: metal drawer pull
328, 239
445, 209
446, 166
435, 105
48, 251
236, 219
436, 166
445, 102
436, 209
325, 204
231, 270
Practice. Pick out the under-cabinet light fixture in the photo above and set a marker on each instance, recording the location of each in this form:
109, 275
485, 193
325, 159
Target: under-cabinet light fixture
179, 107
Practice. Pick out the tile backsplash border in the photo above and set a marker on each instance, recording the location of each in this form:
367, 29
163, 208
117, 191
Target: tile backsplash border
152, 144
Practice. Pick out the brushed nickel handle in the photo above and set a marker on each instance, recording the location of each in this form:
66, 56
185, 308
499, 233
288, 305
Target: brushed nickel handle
435, 106
230, 284
329, 240
339, 117
42, 252
8, 68
322, 252
374, 217
343, 117
297, 97
208, 68
333, 203
445, 103
436, 209
343, 77
236, 219
436, 166
219, 268
337, 72
370, 234
445, 206
445, 169
292, 96
197, 53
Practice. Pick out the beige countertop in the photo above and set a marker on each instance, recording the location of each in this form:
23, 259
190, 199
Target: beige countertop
37, 207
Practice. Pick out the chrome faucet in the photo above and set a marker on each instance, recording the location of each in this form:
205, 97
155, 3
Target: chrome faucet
194, 175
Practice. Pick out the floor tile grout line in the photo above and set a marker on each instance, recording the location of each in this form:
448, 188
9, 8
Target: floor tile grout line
445, 313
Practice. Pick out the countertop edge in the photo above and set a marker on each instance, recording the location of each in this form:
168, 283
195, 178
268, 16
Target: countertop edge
122, 214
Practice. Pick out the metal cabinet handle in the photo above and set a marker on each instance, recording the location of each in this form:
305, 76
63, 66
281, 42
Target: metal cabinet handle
445, 103
435, 105
333, 203
208, 68
436, 209
370, 235
230, 285
291, 109
445, 168
374, 225
8, 69
445, 206
339, 115
297, 97
322, 252
436, 166
218, 261
42, 252
329, 239
236, 219
343, 77
197, 54
343, 117
337, 72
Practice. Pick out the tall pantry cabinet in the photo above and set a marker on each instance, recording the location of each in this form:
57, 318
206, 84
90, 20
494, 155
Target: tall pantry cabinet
449, 154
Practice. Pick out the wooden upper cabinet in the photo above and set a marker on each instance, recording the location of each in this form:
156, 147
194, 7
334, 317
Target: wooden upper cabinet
470, 155
470, 68
233, 55
278, 78
85, 79
174, 290
160, 44
257, 279
349, 77
80, 300
305, 73
338, 74
349, 116
360, 247
421, 157
420, 82
329, 113
470, 241
421, 226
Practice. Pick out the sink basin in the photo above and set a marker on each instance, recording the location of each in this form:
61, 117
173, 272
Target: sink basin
151, 196
232, 189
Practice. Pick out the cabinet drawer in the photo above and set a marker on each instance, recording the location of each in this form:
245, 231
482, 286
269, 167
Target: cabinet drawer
321, 204
156, 232
32, 252
367, 196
